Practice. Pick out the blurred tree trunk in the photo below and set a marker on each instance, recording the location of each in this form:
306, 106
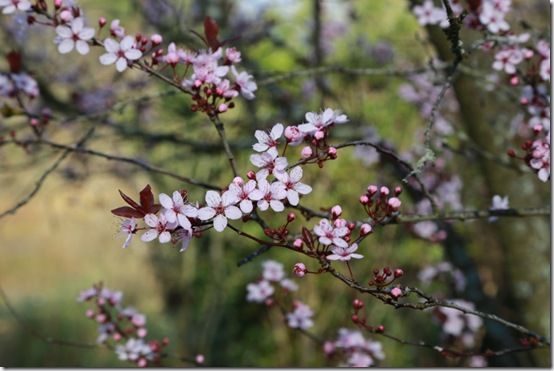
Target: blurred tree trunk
505, 244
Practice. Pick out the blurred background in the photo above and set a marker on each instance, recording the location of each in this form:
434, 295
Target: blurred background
66, 239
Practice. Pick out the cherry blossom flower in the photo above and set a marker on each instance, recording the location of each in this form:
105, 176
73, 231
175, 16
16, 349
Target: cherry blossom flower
220, 208
246, 193
176, 210
540, 158
508, 59
301, 317
329, 234
269, 162
493, 17
259, 292
267, 141
245, 82
361, 352
455, 321
128, 227
232, 55
289, 284
121, 53
428, 14
174, 55
316, 123
133, 350
291, 183
500, 203
160, 228
11, 6
116, 30
273, 271
344, 254
271, 195
75, 36
294, 135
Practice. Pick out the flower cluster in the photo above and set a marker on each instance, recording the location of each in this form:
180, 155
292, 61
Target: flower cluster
379, 203
264, 291
213, 80
356, 350
11, 84
386, 276
122, 328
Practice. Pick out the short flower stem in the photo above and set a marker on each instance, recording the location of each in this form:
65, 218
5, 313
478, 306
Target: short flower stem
350, 270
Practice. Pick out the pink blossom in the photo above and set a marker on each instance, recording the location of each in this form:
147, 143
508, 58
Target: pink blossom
245, 192
306, 152
394, 202
365, 229
492, 15
160, 228
508, 59
318, 122
344, 254
300, 270
128, 227
301, 317
220, 208
294, 135
289, 284
540, 158
11, 6
267, 141
232, 55
329, 234
121, 53
259, 292
245, 82
269, 161
396, 292
176, 210
293, 186
75, 35
270, 195
116, 30
133, 350
273, 271
428, 14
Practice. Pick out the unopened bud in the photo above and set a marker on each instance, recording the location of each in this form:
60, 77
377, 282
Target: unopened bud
358, 304
365, 229
298, 243
336, 211
306, 152
396, 292
394, 202
299, 270
384, 191
156, 39
102, 22
332, 152
57, 4
372, 189
398, 273
199, 358
511, 152
364, 200
380, 329
251, 175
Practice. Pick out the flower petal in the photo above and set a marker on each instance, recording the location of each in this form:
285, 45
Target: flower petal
151, 220
133, 54
111, 46
220, 222
166, 201
233, 212
107, 58
149, 235
121, 64
82, 47
164, 237
64, 32
66, 46
206, 213
213, 199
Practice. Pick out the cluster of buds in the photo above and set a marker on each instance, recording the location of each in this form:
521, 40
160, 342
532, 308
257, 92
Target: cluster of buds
361, 320
314, 132
280, 233
386, 276
379, 203
121, 328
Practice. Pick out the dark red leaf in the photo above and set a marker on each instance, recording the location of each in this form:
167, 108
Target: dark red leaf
127, 212
129, 200
211, 30
14, 60
146, 198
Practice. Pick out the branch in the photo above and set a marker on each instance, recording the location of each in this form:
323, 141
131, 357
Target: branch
42, 178
221, 131
133, 161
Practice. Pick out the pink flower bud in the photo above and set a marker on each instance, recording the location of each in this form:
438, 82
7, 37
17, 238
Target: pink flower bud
299, 270
332, 151
142, 362
394, 202
238, 181
384, 191
365, 229
199, 358
372, 189
66, 15
397, 190
514, 80
298, 243
35, 122
293, 134
357, 304
101, 301
57, 4
89, 313
328, 347
319, 135
364, 200
141, 332
251, 175
291, 217
398, 273
222, 107
117, 336
336, 211
102, 22
156, 39
396, 292
306, 152
101, 318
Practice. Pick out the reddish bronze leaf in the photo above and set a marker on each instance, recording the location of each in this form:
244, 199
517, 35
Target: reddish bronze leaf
129, 200
211, 30
127, 212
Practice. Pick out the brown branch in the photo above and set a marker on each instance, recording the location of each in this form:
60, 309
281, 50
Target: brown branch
133, 161
221, 131
42, 178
